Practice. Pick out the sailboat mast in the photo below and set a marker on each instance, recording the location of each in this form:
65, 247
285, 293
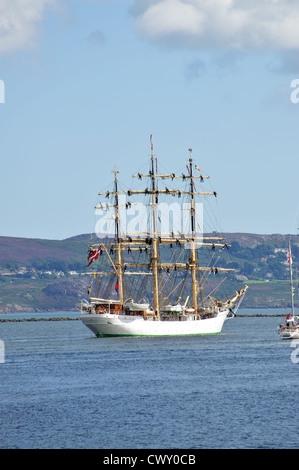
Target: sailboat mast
118, 242
155, 235
193, 252
291, 279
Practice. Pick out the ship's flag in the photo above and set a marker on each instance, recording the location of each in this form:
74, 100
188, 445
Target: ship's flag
117, 286
290, 257
89, 289
93, 255
196, 168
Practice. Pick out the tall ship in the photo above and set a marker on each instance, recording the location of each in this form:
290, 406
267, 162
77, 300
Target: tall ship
149, 279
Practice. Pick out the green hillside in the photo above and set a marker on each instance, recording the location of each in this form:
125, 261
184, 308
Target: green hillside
47, 275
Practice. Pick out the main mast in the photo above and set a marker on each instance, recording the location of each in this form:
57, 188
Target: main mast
193, 264
155, 235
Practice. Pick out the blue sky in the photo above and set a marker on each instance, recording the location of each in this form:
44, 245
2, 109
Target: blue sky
88, 81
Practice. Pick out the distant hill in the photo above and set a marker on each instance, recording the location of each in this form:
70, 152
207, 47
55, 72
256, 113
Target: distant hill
29, 252
45, 275
26, 251
252, 240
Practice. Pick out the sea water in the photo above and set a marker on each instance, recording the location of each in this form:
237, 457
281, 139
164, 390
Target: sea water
63, 388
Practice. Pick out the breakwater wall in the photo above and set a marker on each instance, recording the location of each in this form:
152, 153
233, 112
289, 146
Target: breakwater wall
36, 319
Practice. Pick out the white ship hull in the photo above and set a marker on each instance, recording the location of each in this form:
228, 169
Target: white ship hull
128, 325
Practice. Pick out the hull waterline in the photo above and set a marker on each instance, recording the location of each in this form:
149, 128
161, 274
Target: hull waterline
123, 325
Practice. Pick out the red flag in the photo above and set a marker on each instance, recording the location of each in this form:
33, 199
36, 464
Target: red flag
289, 257
117, 286
93, 255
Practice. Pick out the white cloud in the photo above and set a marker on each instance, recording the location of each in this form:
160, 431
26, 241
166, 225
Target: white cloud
19, 23
233, 24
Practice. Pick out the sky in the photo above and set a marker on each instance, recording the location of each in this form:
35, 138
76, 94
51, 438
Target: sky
84, 83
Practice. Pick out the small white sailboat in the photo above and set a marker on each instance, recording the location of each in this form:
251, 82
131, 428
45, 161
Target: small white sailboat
290, 328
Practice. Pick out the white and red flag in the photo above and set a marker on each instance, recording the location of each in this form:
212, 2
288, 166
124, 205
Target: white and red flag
93, 255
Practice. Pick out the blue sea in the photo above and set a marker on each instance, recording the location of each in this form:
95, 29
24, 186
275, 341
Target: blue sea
62, 388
